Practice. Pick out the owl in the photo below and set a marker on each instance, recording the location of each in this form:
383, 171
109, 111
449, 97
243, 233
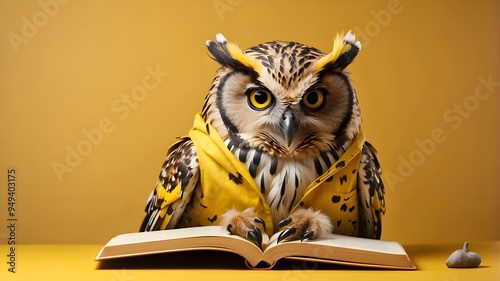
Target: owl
277, 146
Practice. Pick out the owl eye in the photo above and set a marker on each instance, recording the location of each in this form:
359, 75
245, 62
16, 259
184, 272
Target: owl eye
260, 99
314, 99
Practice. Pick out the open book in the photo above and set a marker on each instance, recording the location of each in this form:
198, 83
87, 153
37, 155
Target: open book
337, 249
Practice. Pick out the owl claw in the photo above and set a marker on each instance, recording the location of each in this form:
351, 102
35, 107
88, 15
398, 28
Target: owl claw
286, 233
244, 224
309, 234
256, 236
261, 221
305, 224
284, 222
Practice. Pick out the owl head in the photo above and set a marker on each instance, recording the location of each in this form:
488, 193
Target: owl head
284, 98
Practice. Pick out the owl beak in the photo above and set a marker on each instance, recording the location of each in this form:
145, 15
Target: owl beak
287, 125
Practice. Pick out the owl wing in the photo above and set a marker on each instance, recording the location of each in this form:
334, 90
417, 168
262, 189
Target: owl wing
371, 192
178, 178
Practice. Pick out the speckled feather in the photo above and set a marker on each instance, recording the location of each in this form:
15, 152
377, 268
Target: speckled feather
181, 167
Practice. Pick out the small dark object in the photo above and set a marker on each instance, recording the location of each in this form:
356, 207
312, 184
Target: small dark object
463, 258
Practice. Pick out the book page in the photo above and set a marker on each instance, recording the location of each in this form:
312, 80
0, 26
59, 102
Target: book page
182, 239
341, 248
171, 234
355, 243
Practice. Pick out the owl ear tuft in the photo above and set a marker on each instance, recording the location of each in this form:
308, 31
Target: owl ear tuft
344, 51
230, 55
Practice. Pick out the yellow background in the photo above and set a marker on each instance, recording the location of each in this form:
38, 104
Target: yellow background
64, 77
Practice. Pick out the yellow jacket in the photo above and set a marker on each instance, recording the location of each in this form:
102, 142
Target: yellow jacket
225, 183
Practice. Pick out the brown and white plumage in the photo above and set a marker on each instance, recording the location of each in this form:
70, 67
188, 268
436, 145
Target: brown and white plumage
180, 168
288, 112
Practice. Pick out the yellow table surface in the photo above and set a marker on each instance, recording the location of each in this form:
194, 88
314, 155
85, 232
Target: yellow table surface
76, 262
